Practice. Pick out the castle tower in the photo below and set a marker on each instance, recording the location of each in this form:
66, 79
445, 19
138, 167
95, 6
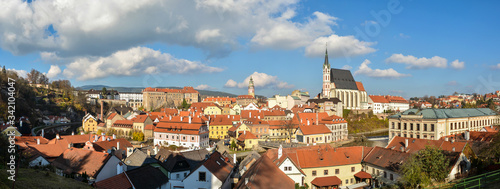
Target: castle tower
251, 88
326, 76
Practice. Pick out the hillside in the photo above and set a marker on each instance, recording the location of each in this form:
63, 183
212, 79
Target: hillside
32, 178
139, 89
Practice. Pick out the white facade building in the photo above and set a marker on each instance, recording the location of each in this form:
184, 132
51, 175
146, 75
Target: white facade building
136, 97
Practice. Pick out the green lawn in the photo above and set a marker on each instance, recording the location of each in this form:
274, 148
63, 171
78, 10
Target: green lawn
31, 178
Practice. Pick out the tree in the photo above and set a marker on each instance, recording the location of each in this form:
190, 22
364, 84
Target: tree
429, 164
33, 76
493, 149
289, 126
233, 145
104, 93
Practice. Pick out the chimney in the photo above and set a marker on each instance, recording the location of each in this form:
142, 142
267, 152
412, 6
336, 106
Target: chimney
280, 151
130, 150
234, 158
308, 123
406, 143
467, 135
258, 117
445, 138
43, 133
57, 136
402, 149
189, 119
316, 118
228, 116
37, 141
81, 132
246, 181
181, 118
102, 108
149, 152
453, 149
244, 132
249, 114
73, 133
69, 145
114, 136
118, 145
102, 136
156, 150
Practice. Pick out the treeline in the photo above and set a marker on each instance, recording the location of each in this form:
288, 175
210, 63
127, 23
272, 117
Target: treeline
363, 122
24, 96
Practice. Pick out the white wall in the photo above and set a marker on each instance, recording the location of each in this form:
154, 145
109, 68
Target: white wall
39, 161
211, 180
294, 173
108, 170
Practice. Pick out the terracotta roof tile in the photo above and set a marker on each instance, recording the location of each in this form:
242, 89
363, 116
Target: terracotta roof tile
81, 161
326, 181
265, 174
360, 86
378, 99
246, 135
314, 129
116, 182
387, 158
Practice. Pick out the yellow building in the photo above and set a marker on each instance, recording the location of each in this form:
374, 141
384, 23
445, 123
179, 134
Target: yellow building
247, 140
89, 123
212, 110
219, 126
332, 167
235, 131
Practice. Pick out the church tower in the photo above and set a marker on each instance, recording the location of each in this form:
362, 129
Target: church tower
251, 88
326, 76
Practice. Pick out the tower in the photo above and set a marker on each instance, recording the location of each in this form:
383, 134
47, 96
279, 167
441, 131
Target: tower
251, 88
326, 76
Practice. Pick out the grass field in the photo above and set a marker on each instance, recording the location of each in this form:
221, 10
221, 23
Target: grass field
31, 178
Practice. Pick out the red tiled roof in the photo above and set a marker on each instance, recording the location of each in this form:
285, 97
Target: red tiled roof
81, 161
333, 119
149, 127
223, 119
217, 166
169, 111
386, 158
52, 150
245, 96
23, 141
378, 99
123, 122
360, 86
326, 181
246, 114
181, 128
140, 119
396, 99
314, 129
116, 182
490, 129
167, 90
111, 116
246, 135
312, 117
363, 175
415, 144
217, 99
107, 145
265, 174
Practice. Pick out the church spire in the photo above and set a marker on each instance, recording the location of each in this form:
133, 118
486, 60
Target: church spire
327, 64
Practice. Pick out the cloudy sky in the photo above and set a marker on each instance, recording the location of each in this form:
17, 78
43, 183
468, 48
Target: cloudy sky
407, 48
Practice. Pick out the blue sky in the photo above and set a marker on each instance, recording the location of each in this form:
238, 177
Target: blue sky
407, 48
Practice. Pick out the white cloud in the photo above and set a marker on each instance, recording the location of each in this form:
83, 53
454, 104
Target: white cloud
204, 87
20, 73
457, 65
368, 22
346, 67
418, 63
388, 73
231, 83
261, 80
339, 46
496, 66
100, 28
53, 71
134, 61
285, 34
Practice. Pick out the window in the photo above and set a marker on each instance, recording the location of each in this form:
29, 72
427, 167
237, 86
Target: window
346, 181
385, 174
353, 169
373, 171
418, 127
337, 171
399, 126
378, 172
392, 125
202, 176
405, 126
432, 127
183, 138
392, 177
192, 138
313, 173
177, 176
286, 168
425, 127
325, 172
352, 180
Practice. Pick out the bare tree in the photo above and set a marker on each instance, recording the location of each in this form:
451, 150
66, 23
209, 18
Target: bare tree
289, 127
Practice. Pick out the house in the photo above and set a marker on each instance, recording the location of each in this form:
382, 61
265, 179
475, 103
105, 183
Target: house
89, 123
49, 151
258, 127
385, 164
145, 177
96, 165
123, 127
112, 118
316, 162
140, 122
247, 140
178, 168
264, 174
248, 161
34, 158
138, 159
122, 146
219, 125
191, 132
214, 172
24, 141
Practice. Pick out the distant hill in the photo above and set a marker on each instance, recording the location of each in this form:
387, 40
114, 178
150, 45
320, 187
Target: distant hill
203, 93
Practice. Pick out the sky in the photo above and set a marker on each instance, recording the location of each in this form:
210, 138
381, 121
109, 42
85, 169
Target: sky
405, 48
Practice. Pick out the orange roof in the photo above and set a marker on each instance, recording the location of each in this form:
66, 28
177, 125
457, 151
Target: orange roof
314, 129
415, 144
363, 175
333, 119
179, 128
386, 158
81, 161
217, 99
77, 139
360, 86
264, 174
245, 96
246, 135
396, 99
491, 129
255, 121
23, 141
311, 117
140, 118
116, 182
149, 127
51, 150
167, 90
378, 99
223, 119
123, 123
111, 116
245, 114
326, 181
200, 106
170, 111
218, 166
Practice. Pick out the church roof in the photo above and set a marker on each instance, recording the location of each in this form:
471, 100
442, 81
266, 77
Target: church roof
343, 79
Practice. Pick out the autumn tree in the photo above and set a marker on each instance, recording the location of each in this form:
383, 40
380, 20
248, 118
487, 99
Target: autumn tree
289, 126
424, 167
